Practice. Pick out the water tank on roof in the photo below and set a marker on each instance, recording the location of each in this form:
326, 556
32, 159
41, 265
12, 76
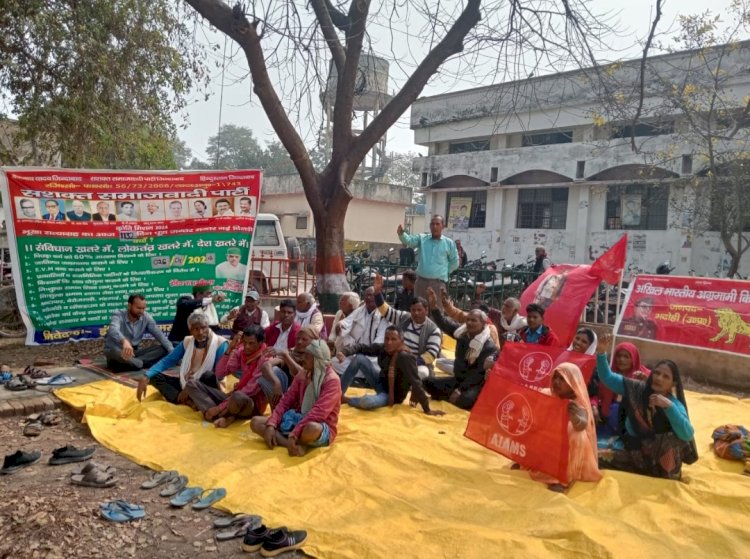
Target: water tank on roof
370, 88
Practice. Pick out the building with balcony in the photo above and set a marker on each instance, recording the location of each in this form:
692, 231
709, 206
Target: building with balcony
531, 162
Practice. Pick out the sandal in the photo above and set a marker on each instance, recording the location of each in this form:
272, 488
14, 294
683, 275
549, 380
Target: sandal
185, 496
33, 429
50, 417
209, 497
121, 511
57, 380
37, 373
175, 486
238, 530
16, 384
94, 478
227, 521
159, 478
89, 466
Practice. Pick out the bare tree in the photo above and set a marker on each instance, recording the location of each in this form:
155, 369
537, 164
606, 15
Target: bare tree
298, 40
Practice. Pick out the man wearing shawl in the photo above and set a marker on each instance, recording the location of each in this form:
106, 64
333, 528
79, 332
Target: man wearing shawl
473, 346
566, 382
308, 314
307, 415
658, 434
199, 353
245, 358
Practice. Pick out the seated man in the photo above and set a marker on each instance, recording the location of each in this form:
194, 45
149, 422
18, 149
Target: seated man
348, 302
282, 334
363, 326
124, 336
406, 292
247, 314
244, 357
398, 375
308, 414
460, 315
421, 335
473, 346
279, 371
199, 352
202, 300
308, 314
536, 332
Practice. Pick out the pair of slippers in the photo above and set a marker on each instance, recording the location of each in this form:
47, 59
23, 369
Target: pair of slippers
35, 373
182, 495
93, 474
236, 526
121, 511
173, 481
35, 422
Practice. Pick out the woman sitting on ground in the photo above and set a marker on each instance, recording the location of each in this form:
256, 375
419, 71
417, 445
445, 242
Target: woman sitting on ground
567, 383
280, 369
658, 435
398, 375
627, 362
308, 413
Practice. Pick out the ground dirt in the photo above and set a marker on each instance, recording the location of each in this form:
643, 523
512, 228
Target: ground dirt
43, 516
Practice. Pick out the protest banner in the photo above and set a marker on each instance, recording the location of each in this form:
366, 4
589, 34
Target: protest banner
577, 283
523, 424
82, 241
710, 313
531, 365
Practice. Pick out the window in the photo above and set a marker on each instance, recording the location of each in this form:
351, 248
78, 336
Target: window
493, 174
542, 208
301, 221
637, 206
580, 169
473, 145
466, 210
687, 164
265, 234
547, 138
643, 129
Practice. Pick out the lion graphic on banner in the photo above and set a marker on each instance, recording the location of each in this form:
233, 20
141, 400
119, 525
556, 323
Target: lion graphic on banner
515, 415
731, 324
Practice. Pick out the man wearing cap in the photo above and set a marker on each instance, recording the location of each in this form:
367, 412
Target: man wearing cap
203, 299
248, 314
232, 269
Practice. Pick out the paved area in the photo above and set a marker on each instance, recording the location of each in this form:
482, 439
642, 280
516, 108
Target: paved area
41, 398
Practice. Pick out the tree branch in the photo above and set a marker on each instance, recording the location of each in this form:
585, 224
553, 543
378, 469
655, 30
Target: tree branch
451, 44
323, 14
245, 34
642, 77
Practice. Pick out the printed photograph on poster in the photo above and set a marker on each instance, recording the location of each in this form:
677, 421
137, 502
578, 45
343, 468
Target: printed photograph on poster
459, 213
246, 206
201, 208
630, 209
102, 211
127, 211
27, 208
223, 208
53, 210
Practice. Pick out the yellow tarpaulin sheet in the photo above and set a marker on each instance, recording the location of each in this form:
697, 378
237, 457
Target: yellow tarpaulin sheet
397, 483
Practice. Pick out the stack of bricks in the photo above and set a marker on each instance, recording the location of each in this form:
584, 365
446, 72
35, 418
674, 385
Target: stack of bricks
27, 406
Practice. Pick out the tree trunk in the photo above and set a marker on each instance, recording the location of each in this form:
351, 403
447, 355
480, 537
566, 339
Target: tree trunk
734, 252
330, 273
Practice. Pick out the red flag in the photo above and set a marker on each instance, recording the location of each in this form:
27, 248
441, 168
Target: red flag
562, 314
532, 365
609, 266
525, 425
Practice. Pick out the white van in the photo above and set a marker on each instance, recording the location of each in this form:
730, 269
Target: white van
269, 262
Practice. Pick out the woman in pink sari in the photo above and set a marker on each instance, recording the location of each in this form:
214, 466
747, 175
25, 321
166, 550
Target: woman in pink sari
626, 362
567, 383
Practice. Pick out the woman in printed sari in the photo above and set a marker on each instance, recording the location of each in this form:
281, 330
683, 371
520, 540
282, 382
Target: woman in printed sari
567, 383
658, 435
627, 362
308, 413
585, 342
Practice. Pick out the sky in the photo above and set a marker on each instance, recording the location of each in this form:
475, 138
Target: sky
234, 103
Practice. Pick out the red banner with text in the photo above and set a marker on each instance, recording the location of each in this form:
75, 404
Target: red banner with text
532, 365
698, 312
523, 424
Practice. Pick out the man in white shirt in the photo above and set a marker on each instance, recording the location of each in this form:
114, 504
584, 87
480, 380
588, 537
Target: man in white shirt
363, 326
153, 211
223, 207
232, 269
247, 206
127, 212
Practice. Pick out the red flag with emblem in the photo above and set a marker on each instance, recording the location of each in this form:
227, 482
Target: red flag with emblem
531, 365
609, 266
523, 424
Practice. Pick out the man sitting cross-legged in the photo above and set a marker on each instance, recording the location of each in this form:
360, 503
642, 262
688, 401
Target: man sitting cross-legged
363, 325
398, 375
308, 414
199, 353
282, 366
421, 335
245, 356
473, 346
122, 344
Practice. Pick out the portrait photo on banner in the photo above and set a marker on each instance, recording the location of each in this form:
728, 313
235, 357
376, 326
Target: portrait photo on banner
630, 209
459, 213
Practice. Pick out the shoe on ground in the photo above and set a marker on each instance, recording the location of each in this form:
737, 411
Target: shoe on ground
68, 454
255, 537
17, 460
280, 541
